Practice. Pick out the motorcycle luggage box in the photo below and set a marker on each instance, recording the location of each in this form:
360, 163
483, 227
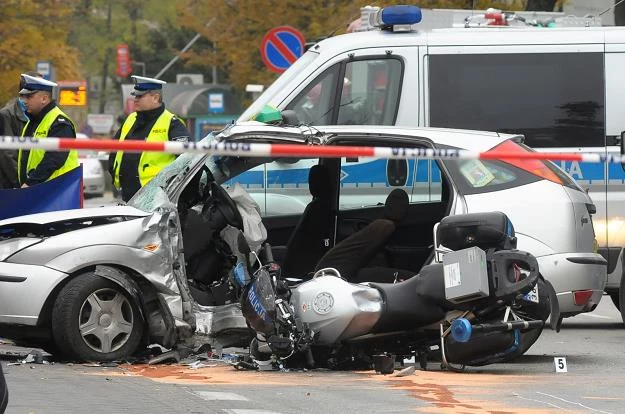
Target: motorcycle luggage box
483, 230
466, 275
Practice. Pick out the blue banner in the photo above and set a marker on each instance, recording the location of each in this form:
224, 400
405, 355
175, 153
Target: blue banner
61, 193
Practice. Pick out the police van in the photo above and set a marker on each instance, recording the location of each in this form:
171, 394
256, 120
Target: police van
562, 88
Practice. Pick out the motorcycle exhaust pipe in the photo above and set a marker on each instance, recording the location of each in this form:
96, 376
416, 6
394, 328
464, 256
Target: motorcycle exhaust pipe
462, 330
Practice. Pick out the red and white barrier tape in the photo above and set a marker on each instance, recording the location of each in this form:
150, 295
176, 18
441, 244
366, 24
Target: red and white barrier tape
290, 150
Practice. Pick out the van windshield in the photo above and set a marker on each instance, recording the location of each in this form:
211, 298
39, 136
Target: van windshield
268, 96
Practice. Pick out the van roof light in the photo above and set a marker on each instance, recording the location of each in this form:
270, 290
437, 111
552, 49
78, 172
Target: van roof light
393, 16
496, 17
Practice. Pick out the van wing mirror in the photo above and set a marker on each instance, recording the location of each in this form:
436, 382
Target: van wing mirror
397, 172
623, 148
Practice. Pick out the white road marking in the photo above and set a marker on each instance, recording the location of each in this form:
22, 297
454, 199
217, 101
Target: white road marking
539, 401
219, 396
573, 403
249, 411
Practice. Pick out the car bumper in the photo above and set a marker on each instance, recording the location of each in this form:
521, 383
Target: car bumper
23, 291
93, 185
575, 272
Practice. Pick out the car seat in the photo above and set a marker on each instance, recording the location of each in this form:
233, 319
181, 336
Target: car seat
352, 254
311, 238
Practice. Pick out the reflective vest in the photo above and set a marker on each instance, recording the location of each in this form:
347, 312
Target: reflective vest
150, 163
36, 155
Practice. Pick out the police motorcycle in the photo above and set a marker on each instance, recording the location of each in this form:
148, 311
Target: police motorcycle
483, 303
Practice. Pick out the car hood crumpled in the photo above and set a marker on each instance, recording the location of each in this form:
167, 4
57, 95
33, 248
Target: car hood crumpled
85, 213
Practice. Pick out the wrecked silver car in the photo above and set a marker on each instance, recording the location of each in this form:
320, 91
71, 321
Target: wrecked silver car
99, 283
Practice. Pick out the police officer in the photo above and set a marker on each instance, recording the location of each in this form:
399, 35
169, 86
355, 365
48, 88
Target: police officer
153, 123
12, 121
45, 120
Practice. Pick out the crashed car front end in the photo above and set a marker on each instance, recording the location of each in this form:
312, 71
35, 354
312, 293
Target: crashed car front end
137, 248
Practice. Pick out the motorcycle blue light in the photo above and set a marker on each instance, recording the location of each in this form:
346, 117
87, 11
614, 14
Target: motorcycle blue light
240, 275
403, 14
461, 330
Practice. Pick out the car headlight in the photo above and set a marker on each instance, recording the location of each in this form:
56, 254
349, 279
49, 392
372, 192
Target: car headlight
12, 246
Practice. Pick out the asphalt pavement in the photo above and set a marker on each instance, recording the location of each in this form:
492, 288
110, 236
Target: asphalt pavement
591, 345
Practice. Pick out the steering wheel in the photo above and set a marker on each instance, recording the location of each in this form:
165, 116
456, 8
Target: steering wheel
223, 203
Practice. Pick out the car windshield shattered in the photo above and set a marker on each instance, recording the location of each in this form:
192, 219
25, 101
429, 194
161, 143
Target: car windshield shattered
156, 193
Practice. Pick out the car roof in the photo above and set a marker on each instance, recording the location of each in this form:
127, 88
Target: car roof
459, 138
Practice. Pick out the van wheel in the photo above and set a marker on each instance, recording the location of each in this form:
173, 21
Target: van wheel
621, 296
615, 299
94, 319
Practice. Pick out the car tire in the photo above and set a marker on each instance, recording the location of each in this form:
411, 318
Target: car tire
615, 299
94, 319
621, 296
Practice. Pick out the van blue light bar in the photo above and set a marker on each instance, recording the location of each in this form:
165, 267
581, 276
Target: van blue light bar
397, 15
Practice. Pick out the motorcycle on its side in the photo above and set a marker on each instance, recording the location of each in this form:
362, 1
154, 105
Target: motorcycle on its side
483, 303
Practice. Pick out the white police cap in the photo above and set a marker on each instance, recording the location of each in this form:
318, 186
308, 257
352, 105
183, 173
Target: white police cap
144, 85
32, 84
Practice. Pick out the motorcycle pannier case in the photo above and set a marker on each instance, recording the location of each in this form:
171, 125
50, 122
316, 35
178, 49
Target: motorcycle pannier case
491, 230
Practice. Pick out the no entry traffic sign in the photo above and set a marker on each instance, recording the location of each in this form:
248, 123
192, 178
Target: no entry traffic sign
280, 47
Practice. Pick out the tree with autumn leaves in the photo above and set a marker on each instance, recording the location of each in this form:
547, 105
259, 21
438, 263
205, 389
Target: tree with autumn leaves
236, 28
34, 30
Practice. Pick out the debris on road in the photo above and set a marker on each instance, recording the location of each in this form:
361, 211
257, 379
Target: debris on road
33, 357
404, 372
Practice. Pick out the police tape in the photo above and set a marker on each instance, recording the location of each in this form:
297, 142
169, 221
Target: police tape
246, 149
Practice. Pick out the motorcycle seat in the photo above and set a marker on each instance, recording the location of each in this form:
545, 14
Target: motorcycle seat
418, 301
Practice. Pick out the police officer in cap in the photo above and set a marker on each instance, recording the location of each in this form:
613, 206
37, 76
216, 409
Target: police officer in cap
153, 123
45, 120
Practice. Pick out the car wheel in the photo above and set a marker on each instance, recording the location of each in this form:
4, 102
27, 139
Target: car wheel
615, 299
621, 295
95, 319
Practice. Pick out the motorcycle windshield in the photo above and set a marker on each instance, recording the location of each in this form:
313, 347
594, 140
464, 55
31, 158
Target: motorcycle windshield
259, 303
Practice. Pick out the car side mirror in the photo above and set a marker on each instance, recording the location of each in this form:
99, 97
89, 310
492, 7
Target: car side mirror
623, 148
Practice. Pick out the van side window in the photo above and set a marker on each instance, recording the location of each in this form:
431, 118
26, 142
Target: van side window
355, 92
370, 92
315, 104
555, 100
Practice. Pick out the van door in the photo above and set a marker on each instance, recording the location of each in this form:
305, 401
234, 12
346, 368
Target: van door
555, 95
